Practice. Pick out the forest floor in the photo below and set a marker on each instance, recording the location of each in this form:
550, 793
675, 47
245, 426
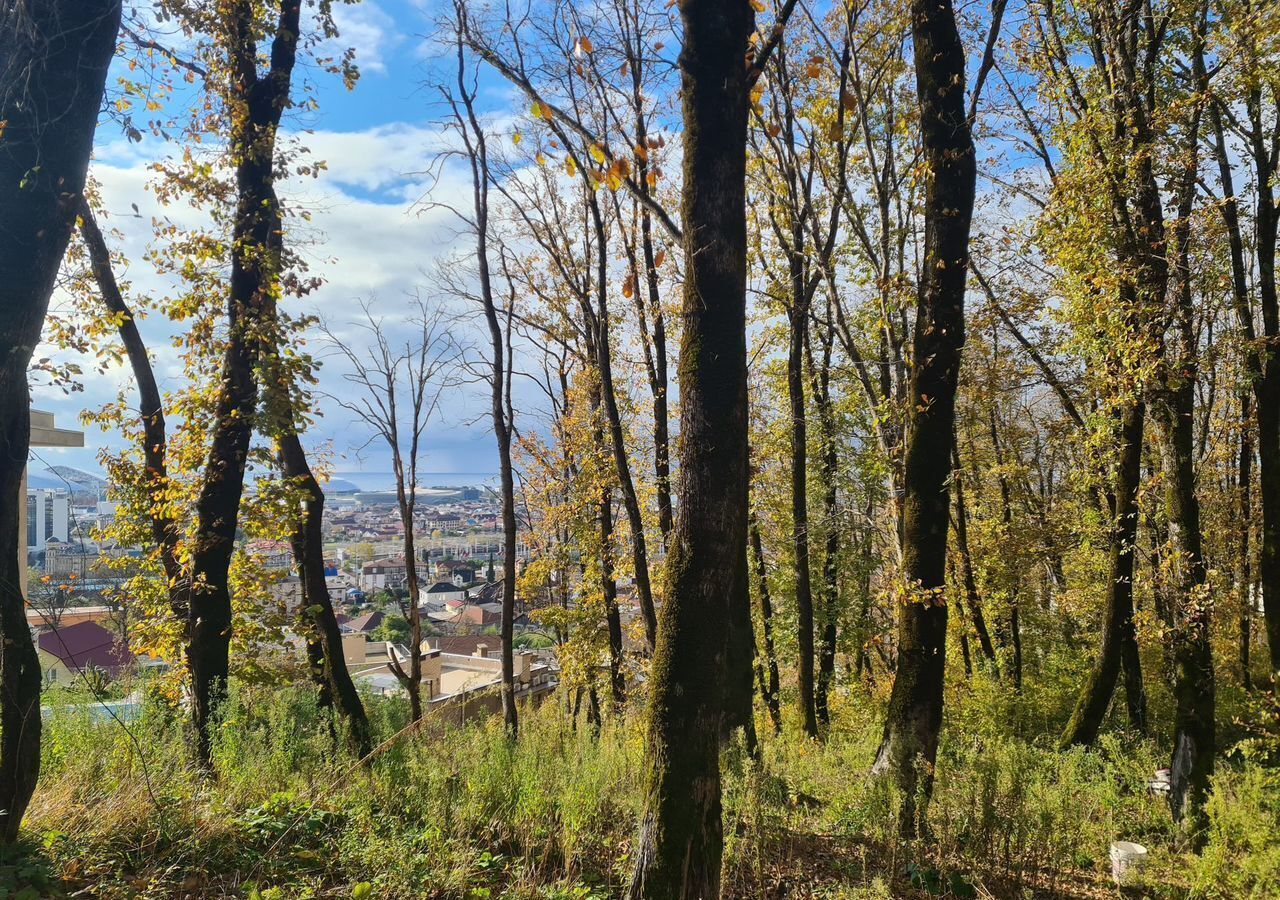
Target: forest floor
462, 812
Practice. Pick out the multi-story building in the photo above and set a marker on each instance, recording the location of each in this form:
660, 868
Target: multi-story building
48, 516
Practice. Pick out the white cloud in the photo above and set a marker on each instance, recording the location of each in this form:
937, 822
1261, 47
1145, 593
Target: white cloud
367, 238
369, 30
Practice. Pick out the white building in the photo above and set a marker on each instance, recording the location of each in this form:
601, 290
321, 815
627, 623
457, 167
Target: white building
48, 516
43, 434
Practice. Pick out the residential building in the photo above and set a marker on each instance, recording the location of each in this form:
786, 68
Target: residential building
68, 650
363, 624
379, 574
444, 591
272, 555
462, 684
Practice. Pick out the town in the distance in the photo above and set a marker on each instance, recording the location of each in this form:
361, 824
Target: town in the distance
81, 616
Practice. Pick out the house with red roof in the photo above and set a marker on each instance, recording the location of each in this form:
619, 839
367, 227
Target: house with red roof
65, 652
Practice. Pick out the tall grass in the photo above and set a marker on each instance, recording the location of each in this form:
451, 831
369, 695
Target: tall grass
463, 812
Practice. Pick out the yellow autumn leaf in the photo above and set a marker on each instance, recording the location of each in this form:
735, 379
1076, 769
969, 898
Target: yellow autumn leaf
597, 153
570, 167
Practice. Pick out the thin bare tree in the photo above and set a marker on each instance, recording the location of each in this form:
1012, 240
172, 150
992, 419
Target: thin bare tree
400, 373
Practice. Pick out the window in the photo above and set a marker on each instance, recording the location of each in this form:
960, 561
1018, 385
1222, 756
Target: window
32, 540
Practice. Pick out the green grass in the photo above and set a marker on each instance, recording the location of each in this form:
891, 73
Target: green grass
465, 813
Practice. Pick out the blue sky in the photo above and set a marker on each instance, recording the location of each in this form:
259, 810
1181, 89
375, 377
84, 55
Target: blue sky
375, 240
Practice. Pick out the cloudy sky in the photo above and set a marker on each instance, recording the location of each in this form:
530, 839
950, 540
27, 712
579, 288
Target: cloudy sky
375, 241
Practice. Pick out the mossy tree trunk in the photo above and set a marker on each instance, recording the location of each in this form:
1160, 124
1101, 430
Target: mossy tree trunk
681, 842
1174, 405
54, 56
910, 743
1119, 644
1244, 522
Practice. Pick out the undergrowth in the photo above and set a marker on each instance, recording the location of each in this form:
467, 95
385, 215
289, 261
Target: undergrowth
463, 812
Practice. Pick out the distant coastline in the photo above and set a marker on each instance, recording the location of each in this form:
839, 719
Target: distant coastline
386, 481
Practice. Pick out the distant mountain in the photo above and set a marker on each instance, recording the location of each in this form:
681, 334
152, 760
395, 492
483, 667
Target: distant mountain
39, 482
84, 486
86, 480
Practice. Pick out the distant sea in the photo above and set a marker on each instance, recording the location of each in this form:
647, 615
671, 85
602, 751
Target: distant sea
386, 481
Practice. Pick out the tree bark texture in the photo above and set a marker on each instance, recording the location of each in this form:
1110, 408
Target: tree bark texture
681, 841
54, 56
910, 743
257, 102
1119, 643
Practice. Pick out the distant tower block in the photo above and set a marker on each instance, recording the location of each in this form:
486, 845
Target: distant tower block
43, 434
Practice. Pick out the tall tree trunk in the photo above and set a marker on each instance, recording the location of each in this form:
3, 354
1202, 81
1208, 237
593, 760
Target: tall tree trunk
502, 411
255, 269
329, 664
609, 587
1193, 688
661, 430
1229, 207
1006, 520
626, 485
406, 501
54, 56
819, 365
509, 530
769, 684
830, 584
1262, 358
863, 622
1266, 386
1119, 644
164, 530
1244, 521
693, 679
1174, 405
799, 316
910, 744
973, 600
